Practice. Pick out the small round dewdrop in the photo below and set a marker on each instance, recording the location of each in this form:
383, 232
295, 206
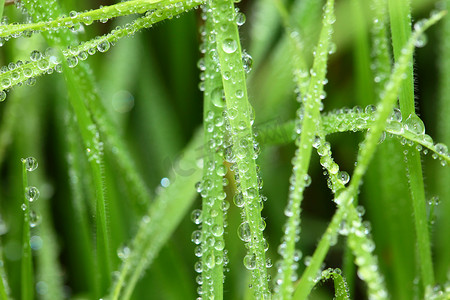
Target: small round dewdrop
2, 96
229, 46
31, 193
31, 163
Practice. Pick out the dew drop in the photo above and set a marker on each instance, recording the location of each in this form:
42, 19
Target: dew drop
229, 46
250, 261
198, 267
370, 109
31, 163
221, 170
240, 18
247, 61
2, 96
35, 55
244, 232
218, 97
72, 61
123, 253
31, 193
210, 261
196, 216
344, 177
217, 230
103, 46
396, 115
414, 124
35, 219
165, 182
441, 149
421, 41
196, 237
219, 245
239, 200
308, 180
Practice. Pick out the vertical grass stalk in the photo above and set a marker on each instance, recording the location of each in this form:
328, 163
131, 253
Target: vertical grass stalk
400, 15
443, 176
240, 117
27, 278
309, 116
211, 187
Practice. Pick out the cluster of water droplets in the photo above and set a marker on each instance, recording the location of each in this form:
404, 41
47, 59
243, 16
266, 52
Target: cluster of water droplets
342, 291
362, 245
310, 94
410, 131
31, 193
211, 219
94, 149
438, 292
51, 59
240, 148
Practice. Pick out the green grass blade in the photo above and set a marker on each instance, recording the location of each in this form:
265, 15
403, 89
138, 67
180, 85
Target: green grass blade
443, 175
76, 172
309, 116
156, 227
211, 186
3, 278
239, 114
27, 277
363, 73
2, 5
401, 31
103, 14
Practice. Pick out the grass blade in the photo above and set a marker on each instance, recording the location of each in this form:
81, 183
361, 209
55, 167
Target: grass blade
156, 227
443, 174
239, 114
309, 116
27, 277
400, 15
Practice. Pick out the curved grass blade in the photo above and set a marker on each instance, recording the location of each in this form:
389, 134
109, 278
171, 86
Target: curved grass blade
51, 60
156, 227
102, 14
352, 122
340, 284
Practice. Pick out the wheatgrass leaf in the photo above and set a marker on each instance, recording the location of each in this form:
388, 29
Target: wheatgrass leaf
80, 90
400, 16
309, 117
346, 198
242, 148
340, 284
102, 14
77, 171
51, 60
443, 133
27, 274
165, 213
4, 291
211, 186
348, 120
